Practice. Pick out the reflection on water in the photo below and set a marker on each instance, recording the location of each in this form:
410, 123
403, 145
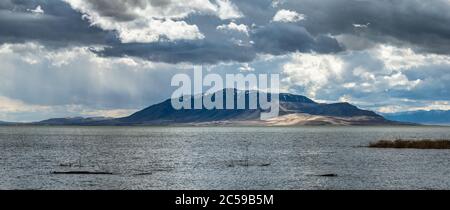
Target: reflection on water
219, 158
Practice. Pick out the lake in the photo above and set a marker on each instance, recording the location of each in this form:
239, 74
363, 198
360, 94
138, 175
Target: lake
232, 158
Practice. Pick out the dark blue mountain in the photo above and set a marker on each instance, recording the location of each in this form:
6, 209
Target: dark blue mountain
9, 123
72, 121
164, 113
295, 106
433, 117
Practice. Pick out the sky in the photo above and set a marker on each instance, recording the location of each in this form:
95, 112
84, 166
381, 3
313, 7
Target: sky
66, 58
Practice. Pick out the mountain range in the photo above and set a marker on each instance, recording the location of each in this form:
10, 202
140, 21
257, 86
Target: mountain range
294, 110
72, 120
432, 117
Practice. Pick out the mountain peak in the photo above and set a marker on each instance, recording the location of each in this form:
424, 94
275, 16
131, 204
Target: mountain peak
293, 110
290, 104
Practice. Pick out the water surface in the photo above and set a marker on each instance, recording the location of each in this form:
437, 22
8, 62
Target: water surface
219, 158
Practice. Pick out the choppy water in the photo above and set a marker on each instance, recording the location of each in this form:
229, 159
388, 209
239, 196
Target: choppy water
219, 158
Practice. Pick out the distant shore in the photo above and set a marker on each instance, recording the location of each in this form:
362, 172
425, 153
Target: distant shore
206, 125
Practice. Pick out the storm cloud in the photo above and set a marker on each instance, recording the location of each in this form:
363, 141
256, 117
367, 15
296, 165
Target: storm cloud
157, 29
423, 24
109, 56
57, 26
174, 32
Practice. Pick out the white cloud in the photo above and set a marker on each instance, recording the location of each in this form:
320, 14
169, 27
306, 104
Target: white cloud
431, 105
242, 28
115, 113
383, 78
383, 69
227, 10
154, 30
361, 25
16, 106
151, 21
313, 71
37, 10
12, 109
395, 58
246, 68
435, 105
276, 3
390, 109
345, 98
400, 80
288, 16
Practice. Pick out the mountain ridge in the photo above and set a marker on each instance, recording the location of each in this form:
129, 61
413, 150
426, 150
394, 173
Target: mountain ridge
71, 120
293, 110
429, 117
300, 109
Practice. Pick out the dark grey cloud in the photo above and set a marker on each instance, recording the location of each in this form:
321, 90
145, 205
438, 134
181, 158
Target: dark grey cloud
119, 10
62, 26
422, 25
59, 26
182, 51
264, 37
123, 10
273, 38
408, 22
281, 38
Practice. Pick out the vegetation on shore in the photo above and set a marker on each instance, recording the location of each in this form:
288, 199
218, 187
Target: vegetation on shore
412, 144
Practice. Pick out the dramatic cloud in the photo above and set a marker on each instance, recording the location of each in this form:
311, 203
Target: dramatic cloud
36, 79
234, 27
111, 56
401, 22
382, 75
201, 31
280, 38
288, 16
151, 20
51, 22
313, 72
205, 52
